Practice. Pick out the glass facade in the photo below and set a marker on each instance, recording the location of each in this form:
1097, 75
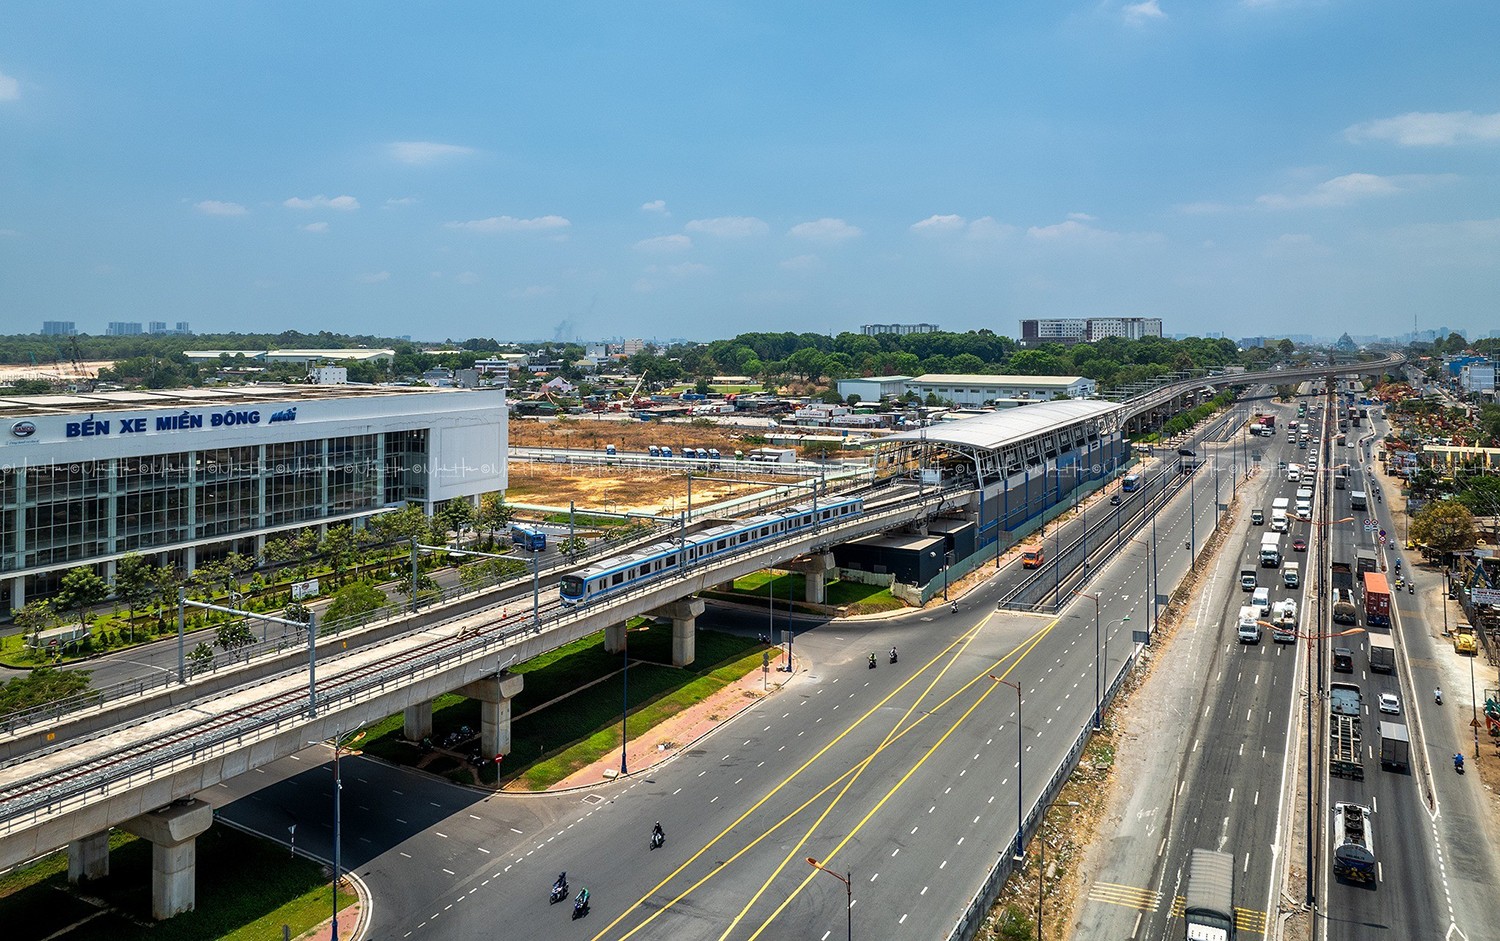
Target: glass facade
66, 514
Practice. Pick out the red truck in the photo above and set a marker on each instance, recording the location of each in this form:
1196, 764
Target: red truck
1377, 600
1268, 420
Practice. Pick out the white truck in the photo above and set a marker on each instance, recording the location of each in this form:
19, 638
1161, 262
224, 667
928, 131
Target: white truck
1279, 507
1248, 626
1208, 905
1270, 550
1291, 574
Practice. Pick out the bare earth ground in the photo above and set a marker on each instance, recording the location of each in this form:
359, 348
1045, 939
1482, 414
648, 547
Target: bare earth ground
52, 372
595, 433
620, 489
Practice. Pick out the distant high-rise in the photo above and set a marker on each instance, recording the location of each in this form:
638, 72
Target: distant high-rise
1087, 329
123, 328
182, 327
156, 326
59, 328
900, 329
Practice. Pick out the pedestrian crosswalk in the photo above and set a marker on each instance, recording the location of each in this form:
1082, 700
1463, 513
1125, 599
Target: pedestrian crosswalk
1246, 920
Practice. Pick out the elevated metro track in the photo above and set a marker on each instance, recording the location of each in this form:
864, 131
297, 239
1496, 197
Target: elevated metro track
67, 794
1163, 396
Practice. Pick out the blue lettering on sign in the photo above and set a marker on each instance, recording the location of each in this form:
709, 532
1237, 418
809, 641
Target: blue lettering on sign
131, 426
229, 419
182, 422
286, 414
88, 428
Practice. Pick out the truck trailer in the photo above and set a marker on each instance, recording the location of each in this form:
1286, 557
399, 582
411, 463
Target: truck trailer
1208, 906
1395, 747
1377, 600
1382, 654
1344, 707
1353, 843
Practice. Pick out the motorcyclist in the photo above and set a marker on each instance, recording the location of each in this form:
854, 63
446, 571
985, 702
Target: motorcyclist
562, 880
955, 607
872, 661
893, 654
1437, 695
1458, 761
657, 834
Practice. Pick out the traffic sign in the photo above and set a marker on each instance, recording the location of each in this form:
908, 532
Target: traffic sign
1382, 534
1369, 526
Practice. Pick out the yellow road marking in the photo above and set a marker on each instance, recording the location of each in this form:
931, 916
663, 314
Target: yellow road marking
1147, 900
1019, 651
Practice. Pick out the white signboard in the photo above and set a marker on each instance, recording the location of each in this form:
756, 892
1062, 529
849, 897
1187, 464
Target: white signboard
305, 589
1486, 596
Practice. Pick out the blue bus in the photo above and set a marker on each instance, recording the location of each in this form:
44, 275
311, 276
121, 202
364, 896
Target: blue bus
1131, 482
531, 540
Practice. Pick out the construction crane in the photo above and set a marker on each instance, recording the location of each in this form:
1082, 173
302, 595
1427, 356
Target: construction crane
84, 377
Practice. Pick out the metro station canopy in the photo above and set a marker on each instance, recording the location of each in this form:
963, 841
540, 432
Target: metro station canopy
1007, 442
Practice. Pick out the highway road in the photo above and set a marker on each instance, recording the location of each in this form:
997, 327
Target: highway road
906, 776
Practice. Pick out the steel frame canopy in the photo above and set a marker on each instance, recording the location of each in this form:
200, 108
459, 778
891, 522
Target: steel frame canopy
1003, 443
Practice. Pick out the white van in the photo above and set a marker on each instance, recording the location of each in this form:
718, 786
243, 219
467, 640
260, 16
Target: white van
1260, 600
1304, 493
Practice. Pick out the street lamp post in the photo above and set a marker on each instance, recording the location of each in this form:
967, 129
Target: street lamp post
1020, 848
338, 787
848, 880
625, 694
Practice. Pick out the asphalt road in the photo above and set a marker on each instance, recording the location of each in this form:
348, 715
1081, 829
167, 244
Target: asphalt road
906, 776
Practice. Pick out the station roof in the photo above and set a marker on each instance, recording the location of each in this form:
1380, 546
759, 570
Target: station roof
998, 429
968, 379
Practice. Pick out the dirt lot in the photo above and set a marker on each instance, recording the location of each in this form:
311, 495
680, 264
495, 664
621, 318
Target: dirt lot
591, 432
619, 489
52, 372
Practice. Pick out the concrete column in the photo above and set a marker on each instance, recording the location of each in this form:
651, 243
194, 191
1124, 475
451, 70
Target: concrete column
494, 694
614, 638
417, 722
18, 592
189, 559
684, 615
173, 832
814, 569
88, 858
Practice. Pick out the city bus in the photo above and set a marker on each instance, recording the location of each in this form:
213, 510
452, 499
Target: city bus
1130, 483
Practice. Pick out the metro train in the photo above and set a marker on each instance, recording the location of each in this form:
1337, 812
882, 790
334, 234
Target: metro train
621, 572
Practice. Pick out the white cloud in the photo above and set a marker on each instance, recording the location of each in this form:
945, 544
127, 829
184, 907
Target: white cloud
728, 227
938, 225
1081, 217
826, 230
534, 290
214, 207
656, 205
1339, 191
1430, 129
316, 227
373, 277
466, 277
1070, 230
340, 203
10, 89
665, 243
396, 201
512, 224
802, 263
989, 228
1139, 13
422, 152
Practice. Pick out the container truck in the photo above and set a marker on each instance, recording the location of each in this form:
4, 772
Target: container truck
1208, 906
1365, 561
1395, 747
1377, 600
1357, 500
1382, 654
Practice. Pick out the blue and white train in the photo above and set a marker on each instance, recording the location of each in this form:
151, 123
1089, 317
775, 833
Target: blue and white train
621, 572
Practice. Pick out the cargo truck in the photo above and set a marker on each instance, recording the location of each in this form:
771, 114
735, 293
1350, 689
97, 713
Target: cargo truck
1248, 628
1270, 550
1377, 600
1291, 574
1208, 906
1395, 747
1365, 561
1353, 843
1247, 579
1357, 500
1341, 477
1344, 708
1382, 654
1341, 578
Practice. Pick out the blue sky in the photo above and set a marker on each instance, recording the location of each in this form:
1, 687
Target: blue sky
702, 169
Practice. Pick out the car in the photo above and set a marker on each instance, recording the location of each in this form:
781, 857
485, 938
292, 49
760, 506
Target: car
1114, 500
1390, 704
1299, 545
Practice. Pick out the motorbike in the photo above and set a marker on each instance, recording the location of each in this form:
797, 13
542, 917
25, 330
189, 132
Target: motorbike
1411, 588
657, 839
1437, 696
872, 661
559, 890
893, 654
955, 607
581, 904
1458, 763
